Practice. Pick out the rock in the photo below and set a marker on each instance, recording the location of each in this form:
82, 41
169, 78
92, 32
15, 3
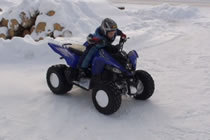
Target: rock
67, 33
40, 27
14, 24
1, 10
51, 34
4, 22
26, 22
51, 13
57, 27
121, 8
11, 33
57, 33
3, 36
41, 38
25, 32
32, 29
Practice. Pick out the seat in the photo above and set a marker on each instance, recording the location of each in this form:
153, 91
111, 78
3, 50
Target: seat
77, 49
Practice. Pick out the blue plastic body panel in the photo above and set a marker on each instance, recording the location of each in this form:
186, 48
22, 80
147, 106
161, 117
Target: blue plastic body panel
101, 59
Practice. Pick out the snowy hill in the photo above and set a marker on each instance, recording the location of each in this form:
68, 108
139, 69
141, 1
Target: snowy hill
173, 45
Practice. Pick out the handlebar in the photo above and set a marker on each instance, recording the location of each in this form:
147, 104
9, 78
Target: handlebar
121, 42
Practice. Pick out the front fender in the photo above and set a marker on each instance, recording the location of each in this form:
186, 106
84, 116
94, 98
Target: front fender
133, 55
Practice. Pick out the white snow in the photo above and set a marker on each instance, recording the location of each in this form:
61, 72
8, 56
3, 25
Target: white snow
167, 12
29, 7
3, 30
173, 45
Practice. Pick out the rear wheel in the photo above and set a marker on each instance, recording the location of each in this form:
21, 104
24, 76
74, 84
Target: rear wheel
56, 80
144, 84
107, 98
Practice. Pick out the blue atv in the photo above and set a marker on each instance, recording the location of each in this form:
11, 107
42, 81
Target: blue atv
109, 76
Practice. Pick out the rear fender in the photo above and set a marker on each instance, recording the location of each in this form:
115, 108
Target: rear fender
70, 58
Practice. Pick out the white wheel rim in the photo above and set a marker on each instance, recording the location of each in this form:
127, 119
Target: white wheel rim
140, 87
102, 98
54, 80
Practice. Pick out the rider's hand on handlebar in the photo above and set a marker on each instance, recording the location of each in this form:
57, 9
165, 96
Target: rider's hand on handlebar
123, 36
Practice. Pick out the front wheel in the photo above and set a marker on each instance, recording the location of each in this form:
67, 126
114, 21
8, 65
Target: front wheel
145, 85
107, 98
56, 80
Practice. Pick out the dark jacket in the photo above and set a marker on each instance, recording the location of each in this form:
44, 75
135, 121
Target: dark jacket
92, 49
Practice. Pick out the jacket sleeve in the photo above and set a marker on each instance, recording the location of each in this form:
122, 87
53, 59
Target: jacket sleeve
96, 35
111, 48
119, 32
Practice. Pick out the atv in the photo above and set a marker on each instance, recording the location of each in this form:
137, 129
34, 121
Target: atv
109, 76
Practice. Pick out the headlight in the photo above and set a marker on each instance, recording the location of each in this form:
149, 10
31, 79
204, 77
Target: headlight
113, 69
116, 70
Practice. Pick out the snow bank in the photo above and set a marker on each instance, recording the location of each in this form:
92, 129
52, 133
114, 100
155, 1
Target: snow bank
167, 12
28, 6
27, 51
23, 50
76, 16
79, 16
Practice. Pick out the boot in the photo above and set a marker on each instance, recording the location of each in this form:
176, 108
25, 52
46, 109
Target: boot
82, 73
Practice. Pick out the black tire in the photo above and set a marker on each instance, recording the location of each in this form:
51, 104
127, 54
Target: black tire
148, 85
62, 86
114, 98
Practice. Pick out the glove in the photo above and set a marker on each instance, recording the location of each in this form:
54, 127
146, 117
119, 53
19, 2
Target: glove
123, 36
118, 47
96, 40
93, 40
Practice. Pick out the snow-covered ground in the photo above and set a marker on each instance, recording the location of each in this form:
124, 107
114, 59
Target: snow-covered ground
203, 3
174, 46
